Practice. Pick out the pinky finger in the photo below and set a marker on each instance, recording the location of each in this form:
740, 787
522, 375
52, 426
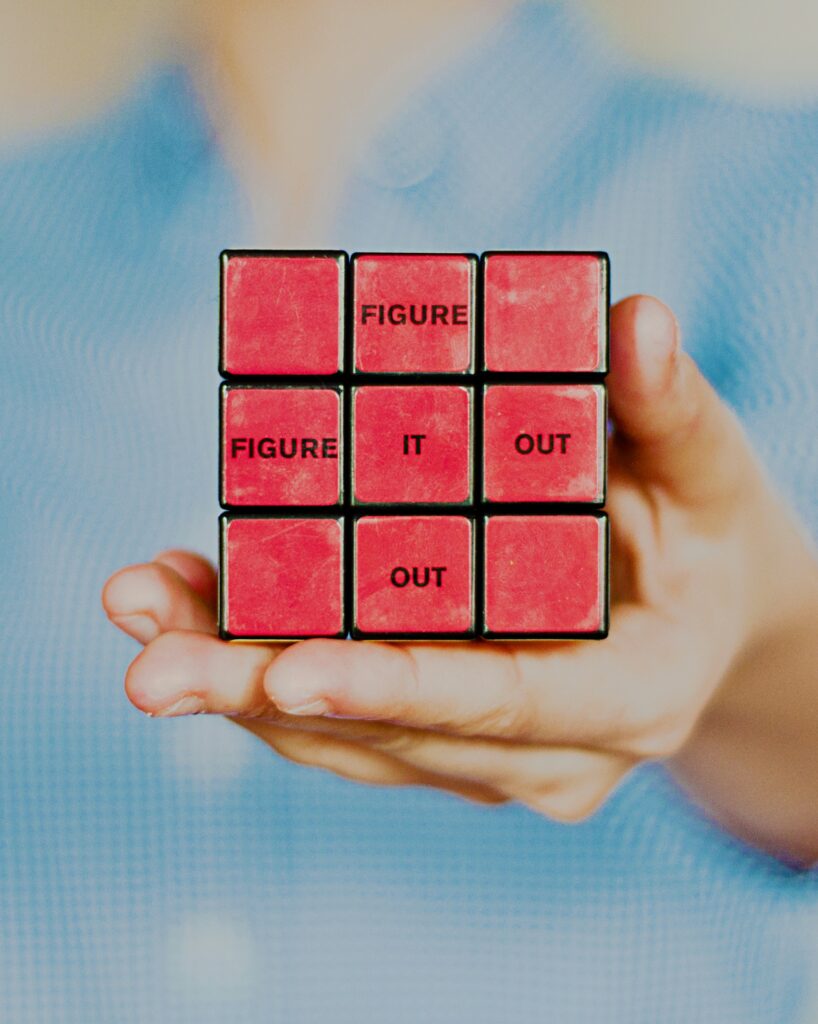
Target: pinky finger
349, 760
573, 800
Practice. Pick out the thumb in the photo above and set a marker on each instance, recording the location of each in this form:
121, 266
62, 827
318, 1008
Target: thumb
670, 426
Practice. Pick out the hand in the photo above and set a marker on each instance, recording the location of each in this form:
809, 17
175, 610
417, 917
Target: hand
703, 563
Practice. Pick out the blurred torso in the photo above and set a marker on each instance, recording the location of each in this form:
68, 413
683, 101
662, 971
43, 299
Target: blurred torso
175, 871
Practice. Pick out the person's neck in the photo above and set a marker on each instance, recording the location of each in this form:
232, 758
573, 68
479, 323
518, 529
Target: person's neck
295, 87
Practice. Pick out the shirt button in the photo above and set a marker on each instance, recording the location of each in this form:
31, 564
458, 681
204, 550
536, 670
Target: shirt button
408, 149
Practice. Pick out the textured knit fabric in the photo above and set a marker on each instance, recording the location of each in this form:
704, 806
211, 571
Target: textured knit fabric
177, 871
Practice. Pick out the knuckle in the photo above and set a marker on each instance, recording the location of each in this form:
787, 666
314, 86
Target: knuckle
400, 699
510, 719
513, 716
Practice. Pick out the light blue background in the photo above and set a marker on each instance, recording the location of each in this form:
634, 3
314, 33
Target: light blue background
177, 871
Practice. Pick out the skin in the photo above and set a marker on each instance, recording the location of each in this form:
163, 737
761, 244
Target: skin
710, 664
65, 60
292, 130
760, 52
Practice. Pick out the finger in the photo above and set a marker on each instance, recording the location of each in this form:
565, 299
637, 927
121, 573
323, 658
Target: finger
575, 694
670, 423
185, 673
189, 673
197, 572
576, 799
351, 760
571, 782
146, 600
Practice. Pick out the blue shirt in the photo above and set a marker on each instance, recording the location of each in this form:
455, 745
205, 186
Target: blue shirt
177, 871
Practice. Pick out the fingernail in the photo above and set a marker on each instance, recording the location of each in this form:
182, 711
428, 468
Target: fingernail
141, 627
187, 705
313, 707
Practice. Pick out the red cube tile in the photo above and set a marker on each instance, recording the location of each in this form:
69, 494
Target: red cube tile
546, 312
411, 444
546, 576
281, 446
282, 313
281, 577
544, 442
413, 576
413, 313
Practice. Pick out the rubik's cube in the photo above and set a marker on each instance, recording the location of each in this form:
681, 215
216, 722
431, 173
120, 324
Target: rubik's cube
413, 445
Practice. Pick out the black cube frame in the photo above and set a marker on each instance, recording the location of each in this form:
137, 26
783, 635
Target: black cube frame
477, 510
